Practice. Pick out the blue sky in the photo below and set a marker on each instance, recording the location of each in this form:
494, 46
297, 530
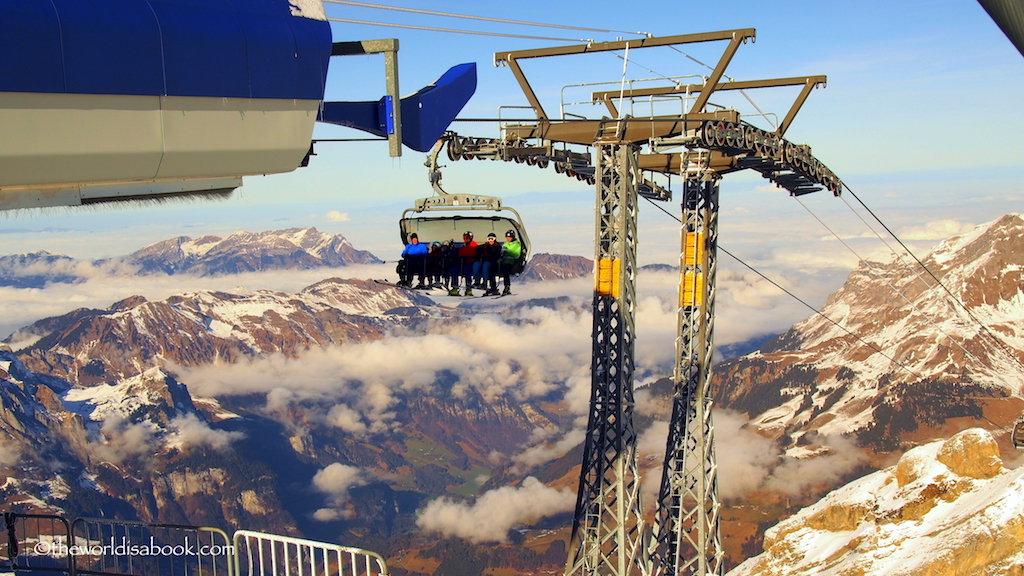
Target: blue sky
921, 117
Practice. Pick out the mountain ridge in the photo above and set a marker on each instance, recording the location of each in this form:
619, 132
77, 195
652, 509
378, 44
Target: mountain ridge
818, 377
372, 401
241, 251
947, 507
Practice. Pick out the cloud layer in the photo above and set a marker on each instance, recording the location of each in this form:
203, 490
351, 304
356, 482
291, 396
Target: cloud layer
490, 518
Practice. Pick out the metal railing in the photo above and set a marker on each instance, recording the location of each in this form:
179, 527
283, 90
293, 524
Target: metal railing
35, 542
270, 555
48, 543
125, 547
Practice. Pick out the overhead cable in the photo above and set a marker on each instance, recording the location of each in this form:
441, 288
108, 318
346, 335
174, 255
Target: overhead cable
984, 328
883, 241
484, 18
800, 300
731, 79
892, 287
452, 31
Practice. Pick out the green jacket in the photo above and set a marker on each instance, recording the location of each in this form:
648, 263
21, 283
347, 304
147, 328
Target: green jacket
511, 251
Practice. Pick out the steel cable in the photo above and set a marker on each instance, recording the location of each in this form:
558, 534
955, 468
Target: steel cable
451, 30
483, 18
798, 299
1006, 350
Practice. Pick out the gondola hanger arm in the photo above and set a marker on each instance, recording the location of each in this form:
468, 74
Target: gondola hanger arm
444, 200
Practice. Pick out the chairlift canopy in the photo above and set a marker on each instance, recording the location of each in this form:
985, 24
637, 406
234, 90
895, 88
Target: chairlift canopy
430, 228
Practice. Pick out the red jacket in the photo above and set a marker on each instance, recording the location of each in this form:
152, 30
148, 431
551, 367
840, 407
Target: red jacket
468, 252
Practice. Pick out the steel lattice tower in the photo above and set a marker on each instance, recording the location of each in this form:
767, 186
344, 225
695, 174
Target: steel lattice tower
608, 531
687, 539
701, 144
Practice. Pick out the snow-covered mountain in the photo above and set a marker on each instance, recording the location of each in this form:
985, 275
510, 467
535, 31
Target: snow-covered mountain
346, 407
137, 448
904, 358
946, 508
35, 269
556, 267
248, 252
133, 335
294, 248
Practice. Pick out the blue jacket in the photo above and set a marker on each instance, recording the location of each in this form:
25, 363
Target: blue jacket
415, 250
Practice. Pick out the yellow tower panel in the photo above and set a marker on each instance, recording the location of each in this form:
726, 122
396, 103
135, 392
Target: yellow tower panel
693, 249
691, 289
607, 278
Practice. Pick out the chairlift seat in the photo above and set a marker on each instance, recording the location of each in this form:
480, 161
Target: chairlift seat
431, 229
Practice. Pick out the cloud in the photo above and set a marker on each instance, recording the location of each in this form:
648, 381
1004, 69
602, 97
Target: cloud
745, 458
526, 353
335, 481
10, 453
650, 447
331, 514
189, 430
83, 269
935, 230
118, 439
748, 461
335, 216
770, 187
341, 416
837, 457
545, 451
747, 306
496, 512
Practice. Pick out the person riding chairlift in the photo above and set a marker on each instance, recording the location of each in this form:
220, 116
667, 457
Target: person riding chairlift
512, 259
468, 266
490, 255
414, 261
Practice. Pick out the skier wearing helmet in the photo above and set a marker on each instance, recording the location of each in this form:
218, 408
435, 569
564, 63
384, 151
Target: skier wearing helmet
468, 266
512, 258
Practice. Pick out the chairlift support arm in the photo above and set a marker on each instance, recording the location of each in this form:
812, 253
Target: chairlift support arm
389, 47
446, 201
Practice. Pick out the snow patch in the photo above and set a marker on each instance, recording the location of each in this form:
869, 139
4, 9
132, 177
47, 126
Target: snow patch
313, 9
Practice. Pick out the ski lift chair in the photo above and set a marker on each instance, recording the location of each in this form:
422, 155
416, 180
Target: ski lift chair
430, 226
446, 217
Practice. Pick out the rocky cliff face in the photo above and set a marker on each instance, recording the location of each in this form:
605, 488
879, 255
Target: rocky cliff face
947, 508
134, 449
907, 356
557, 267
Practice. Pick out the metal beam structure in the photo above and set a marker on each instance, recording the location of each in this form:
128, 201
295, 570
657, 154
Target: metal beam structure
687, 536
807, 82
608, 534
393, 99
735, 38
